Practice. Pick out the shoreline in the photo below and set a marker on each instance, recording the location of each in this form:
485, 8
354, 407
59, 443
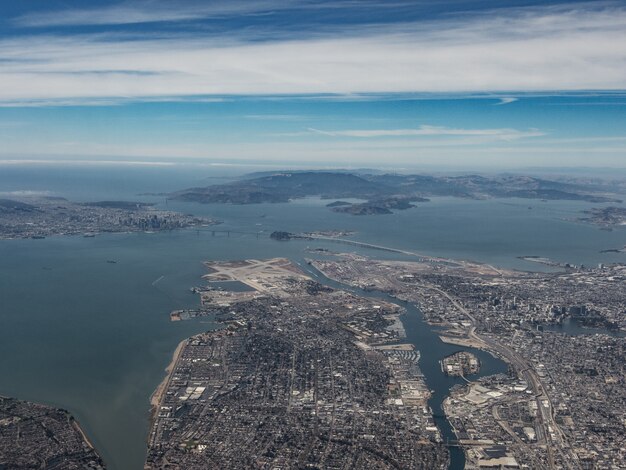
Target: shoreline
157, 395
463, 341
78, 427
70, 417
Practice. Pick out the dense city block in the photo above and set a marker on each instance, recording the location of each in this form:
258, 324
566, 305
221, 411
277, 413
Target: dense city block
300, 376
563, 406
42, 217
34, 436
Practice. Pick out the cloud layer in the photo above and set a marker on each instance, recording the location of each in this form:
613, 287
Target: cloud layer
582, 48
433, 131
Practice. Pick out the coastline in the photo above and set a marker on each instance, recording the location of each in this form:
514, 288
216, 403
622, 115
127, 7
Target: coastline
38, 413
78, 427
461, 341
157, 395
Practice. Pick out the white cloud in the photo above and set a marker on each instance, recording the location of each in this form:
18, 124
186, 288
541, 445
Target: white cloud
25, 192
147, 12
432, 131
506, 100
466, 150
150, 11
539, 49
276, 117
92, 162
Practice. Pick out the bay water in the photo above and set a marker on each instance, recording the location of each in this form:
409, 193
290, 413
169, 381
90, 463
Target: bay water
84, 322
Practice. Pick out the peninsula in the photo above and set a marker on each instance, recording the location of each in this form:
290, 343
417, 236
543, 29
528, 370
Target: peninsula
38, 436
383, 193
42, 217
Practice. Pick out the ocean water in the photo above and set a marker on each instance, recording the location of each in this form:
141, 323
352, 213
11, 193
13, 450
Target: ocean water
94, 337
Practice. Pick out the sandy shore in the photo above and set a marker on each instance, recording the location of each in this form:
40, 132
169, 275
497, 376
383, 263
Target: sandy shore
77, 426
156, 397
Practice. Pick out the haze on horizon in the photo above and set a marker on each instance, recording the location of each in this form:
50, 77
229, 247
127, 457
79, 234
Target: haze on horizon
451, 84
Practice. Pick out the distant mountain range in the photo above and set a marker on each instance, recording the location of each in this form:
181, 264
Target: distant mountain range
387, 191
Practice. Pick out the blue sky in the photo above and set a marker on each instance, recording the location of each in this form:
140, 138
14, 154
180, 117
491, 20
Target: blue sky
455, 84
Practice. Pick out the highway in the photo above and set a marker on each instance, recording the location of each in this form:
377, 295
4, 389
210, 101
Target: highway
524, 369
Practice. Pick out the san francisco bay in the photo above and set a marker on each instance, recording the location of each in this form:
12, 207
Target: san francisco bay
84, 322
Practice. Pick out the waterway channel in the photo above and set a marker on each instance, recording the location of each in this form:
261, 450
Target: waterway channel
425, 338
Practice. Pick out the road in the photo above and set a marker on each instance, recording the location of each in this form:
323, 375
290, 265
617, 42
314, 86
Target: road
545, 410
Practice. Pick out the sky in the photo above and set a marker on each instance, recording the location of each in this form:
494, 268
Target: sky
395, 83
